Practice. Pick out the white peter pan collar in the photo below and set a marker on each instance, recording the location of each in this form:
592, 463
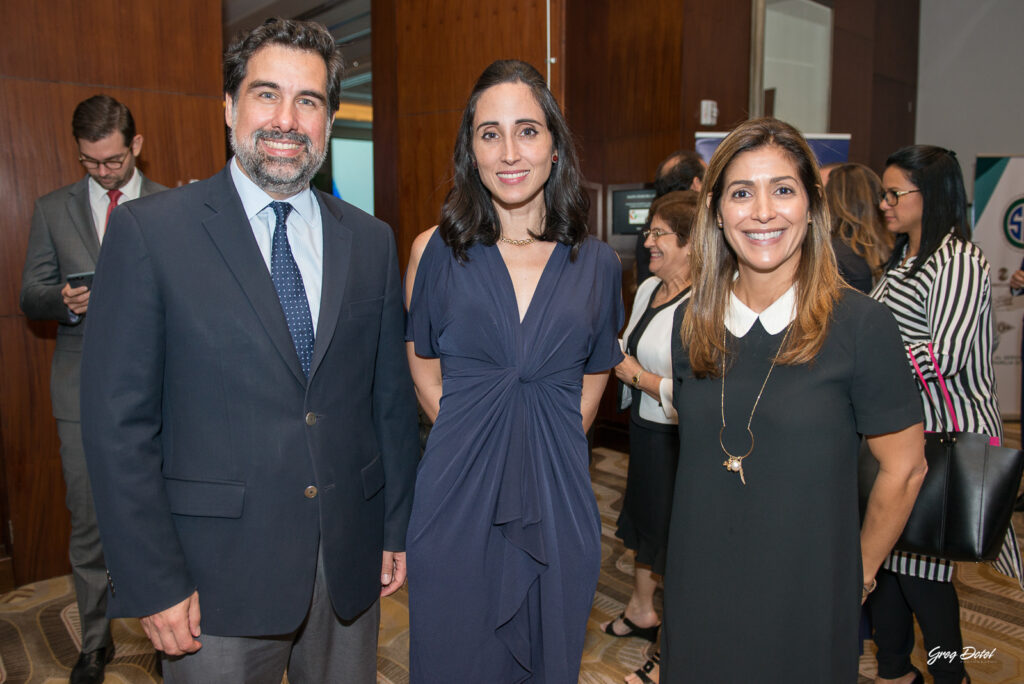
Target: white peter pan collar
739, 318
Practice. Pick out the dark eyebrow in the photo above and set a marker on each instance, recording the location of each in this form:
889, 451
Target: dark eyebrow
263, 84
273, 86
518, 122
315, 94
110, 158
777, 179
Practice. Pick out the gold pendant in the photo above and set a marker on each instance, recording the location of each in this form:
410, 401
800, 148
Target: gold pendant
735, 465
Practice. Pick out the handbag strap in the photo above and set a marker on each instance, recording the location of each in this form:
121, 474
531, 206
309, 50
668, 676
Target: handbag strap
942, 386
942, 383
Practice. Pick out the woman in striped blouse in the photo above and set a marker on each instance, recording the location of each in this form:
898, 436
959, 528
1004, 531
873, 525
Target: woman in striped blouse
937, 285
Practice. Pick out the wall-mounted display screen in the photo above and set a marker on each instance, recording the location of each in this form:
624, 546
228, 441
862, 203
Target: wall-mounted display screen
628, 205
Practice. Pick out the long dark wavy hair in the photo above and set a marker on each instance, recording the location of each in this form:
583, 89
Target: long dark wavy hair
934, 171
468, 215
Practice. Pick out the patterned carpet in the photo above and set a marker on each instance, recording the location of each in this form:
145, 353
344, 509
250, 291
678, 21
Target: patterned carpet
39, 622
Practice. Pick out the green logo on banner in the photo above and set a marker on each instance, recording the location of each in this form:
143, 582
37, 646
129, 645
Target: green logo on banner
1013, 224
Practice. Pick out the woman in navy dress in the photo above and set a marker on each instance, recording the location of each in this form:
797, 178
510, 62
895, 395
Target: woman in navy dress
513, 321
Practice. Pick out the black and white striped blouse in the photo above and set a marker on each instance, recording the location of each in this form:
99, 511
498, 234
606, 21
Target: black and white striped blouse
948, 304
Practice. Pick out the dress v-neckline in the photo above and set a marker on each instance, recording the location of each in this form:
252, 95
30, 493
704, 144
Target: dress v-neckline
536, 291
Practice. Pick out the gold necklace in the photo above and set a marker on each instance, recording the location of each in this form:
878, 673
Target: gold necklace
516, 243
735, 463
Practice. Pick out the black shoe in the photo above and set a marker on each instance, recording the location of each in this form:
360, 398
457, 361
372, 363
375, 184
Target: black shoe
90, 666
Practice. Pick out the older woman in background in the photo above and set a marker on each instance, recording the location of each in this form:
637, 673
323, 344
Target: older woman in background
937, 286
861, 243
778, 368
646, 374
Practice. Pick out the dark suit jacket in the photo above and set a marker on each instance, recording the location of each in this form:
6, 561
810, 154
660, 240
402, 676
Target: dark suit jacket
203, 436
62, 241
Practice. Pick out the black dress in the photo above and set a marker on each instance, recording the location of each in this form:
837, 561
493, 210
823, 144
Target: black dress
852, 267
763, 580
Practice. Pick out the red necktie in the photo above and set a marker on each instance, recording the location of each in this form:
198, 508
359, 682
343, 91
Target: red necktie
114, 196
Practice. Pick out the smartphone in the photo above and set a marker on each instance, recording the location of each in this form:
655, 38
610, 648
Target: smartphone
80, 279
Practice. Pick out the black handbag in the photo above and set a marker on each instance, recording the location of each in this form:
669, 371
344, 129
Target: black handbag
966, 501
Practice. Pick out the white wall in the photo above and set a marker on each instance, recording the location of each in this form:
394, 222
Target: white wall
970, 90
797, 61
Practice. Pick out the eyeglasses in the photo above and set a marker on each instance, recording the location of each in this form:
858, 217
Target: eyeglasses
113, 163
654, 232
892, 197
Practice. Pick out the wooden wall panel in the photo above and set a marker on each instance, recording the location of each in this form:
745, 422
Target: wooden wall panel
163, 61
623, 81
426, 57
874, 76
716, 64
147, 44
33, 477
635, 76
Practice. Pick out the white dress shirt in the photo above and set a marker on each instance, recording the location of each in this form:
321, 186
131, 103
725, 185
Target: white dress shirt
99, 200
305, 231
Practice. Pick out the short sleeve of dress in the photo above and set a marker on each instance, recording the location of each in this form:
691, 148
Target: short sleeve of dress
883, 393
420, 324
606, 352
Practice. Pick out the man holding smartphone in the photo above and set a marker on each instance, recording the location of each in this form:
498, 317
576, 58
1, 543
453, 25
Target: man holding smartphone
64, 243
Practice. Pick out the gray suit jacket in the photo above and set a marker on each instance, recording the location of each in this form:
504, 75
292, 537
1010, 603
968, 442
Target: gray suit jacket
62, 241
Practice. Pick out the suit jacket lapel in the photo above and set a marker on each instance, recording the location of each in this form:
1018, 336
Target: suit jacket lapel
81, 217
337, 252
229, 229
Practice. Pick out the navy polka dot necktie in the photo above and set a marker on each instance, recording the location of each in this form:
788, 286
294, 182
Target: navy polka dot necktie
288, 283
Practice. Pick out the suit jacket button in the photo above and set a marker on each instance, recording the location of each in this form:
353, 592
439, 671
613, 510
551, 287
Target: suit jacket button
310, 418
310, 492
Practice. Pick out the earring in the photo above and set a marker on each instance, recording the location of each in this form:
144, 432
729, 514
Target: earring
554, 158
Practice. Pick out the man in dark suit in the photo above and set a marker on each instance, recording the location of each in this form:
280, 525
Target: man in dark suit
67, 227
247, 409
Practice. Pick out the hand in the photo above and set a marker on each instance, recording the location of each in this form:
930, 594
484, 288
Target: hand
174, 630
627, 370
1017, 279
392, 572
75, 298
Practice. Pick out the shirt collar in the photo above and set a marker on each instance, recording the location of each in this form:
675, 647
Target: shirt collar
129, 191
739, 318
255, 199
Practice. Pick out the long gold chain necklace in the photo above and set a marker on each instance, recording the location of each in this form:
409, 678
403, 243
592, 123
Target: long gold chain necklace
735, 463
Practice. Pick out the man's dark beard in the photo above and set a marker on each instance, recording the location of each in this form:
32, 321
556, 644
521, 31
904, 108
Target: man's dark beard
274, 175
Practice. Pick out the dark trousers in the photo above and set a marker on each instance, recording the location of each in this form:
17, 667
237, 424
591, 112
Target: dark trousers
893, 605
88, 569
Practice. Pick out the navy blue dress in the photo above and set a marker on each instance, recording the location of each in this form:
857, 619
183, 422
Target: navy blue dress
504, 542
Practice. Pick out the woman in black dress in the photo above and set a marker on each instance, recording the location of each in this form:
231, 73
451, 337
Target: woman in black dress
646, 376
861, 243
778, 367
